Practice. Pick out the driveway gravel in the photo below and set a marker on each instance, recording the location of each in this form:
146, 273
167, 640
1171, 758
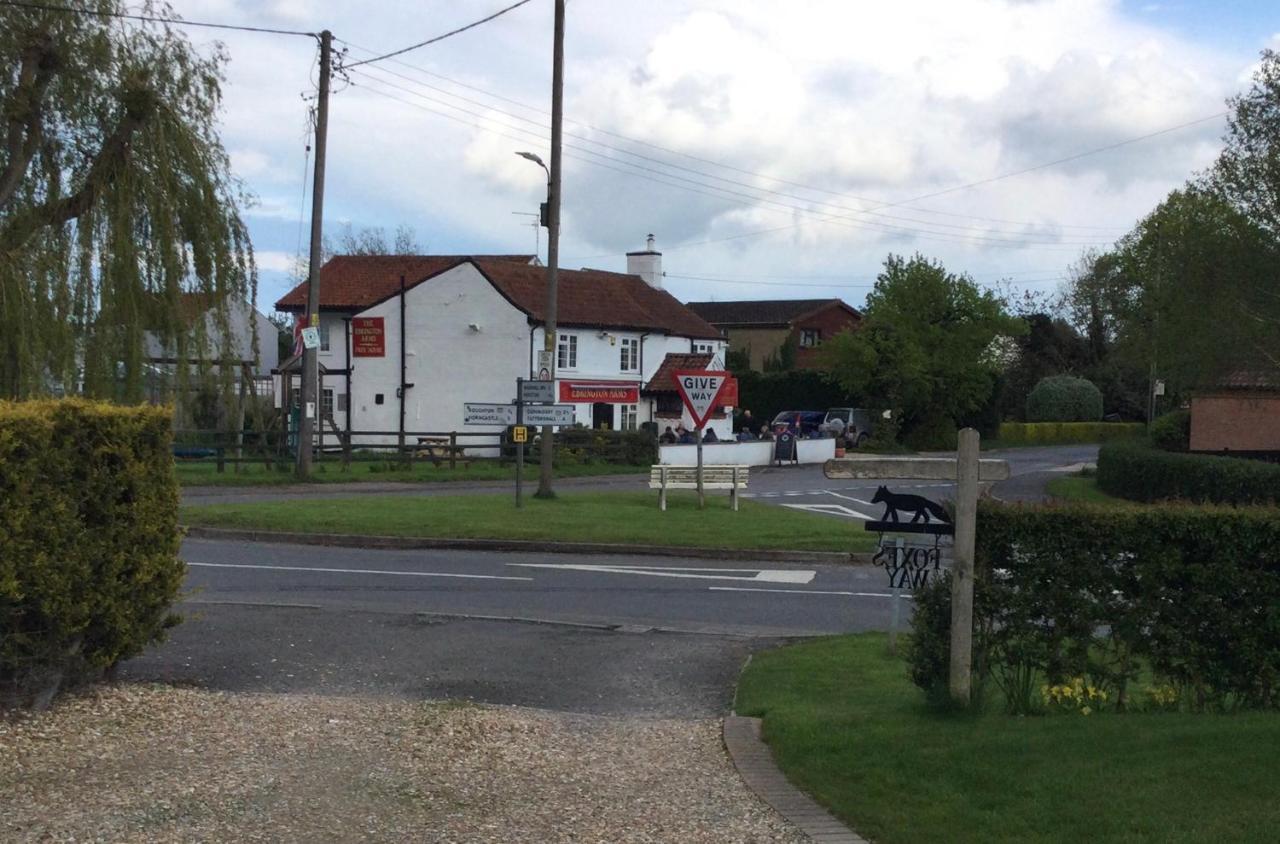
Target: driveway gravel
142, 762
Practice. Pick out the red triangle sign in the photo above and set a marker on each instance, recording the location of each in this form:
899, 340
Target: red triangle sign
700, 390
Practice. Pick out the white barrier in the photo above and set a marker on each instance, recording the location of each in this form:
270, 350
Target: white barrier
743, 454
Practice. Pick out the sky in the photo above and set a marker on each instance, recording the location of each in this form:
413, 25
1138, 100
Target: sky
775, 150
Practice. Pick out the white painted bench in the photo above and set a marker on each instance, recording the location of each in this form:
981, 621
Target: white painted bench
663, 478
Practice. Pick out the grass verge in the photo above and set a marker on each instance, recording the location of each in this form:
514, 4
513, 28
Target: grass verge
191, 473
846, 724
1082, 488
621, 517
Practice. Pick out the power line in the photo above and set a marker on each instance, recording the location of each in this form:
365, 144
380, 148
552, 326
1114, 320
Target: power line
721, 279
46, 7
733, 195
441, 37
721, 164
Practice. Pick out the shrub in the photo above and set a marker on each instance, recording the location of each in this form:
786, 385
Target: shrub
1065, 433
1064, 398
936, 433
89, 541
1172, 432
1186, 594
1140, 472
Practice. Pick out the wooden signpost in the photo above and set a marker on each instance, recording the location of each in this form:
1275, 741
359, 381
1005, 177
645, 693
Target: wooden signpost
967, 471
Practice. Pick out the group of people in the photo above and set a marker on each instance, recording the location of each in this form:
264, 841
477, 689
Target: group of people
743, 427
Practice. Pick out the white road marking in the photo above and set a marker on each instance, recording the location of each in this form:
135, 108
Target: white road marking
756, 575
831, 509
359, 571
851, 498
804, 592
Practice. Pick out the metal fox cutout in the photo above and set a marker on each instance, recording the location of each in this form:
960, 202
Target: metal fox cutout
921, 507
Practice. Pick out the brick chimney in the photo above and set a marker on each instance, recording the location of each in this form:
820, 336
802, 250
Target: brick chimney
646, 264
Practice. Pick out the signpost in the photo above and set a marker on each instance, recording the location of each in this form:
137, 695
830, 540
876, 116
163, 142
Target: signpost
967, 470
518, 415
544, 364
700, 389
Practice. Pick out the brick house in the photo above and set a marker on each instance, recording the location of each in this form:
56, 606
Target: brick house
1241, 414
762, 328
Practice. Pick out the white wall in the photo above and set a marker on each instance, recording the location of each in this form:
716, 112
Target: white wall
744, 454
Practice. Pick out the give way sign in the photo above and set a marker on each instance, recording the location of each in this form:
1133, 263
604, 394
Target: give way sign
700, 389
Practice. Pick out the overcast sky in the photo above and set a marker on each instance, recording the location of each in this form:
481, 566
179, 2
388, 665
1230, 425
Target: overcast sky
776, 150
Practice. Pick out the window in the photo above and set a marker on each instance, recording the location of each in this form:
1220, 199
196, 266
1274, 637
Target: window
326, 403
629, 418
324, 336
810, 338
703, 349
568, 352
630, 355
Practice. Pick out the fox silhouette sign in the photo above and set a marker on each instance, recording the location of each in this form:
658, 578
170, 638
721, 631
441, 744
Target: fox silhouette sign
926, 516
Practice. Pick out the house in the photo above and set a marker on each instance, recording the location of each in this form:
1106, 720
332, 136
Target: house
1240, 415
762, 329
407, 340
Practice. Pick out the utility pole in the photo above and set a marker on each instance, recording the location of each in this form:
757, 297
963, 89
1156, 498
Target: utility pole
310, 360
553, 238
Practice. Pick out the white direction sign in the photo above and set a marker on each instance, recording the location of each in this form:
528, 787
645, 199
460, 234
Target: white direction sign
700, 389
540, 391
556, 415
475, 413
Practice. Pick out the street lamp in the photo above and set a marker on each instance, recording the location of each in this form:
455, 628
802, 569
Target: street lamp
544, 215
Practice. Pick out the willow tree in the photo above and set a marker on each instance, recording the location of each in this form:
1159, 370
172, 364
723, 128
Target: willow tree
118, 209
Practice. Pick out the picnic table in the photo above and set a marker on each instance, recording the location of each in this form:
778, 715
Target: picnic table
436, 449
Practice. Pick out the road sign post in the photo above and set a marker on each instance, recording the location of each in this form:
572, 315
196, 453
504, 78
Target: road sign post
967, 471
519, 441
699, 389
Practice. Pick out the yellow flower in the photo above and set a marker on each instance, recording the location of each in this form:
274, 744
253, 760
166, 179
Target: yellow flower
1085, 710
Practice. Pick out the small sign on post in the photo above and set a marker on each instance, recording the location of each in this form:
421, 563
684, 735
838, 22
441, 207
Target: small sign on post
520, 434
311, 337
700, 391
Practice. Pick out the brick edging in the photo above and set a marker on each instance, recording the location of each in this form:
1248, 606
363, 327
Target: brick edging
343, 540
752, 758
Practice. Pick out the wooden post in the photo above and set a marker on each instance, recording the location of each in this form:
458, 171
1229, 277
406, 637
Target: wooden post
453, 449
962, 566
899, 552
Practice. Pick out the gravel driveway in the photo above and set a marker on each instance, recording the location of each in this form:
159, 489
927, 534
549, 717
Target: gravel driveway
157, 763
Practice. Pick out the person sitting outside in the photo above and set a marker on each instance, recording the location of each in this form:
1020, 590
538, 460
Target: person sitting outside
765, 434
684, 436
746, 435
668, 437
709, 436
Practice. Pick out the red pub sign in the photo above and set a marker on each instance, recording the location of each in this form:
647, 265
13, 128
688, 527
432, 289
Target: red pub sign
368, 337
605, 393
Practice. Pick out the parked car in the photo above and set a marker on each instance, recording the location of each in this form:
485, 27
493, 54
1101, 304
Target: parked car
853, 424
802, 422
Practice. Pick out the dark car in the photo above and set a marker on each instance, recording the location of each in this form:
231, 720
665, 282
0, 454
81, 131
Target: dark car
802, 422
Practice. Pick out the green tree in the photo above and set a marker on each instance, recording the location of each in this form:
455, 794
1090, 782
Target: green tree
1248, 170
116, 198
925, 346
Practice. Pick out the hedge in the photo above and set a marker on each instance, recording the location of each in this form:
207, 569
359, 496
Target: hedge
1184, 598
1140, 472
89, 541
1172, 431
1059, 433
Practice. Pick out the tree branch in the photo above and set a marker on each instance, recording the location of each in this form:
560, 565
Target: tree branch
26, 116
139, 106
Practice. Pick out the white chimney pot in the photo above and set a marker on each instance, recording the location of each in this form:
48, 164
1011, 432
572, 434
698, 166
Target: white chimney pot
647, 264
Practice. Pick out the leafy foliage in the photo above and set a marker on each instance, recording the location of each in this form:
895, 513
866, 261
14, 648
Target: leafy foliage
923, 348
1063, 433
766, 394
116, 200
1172, 432
1139, 472
89, 562
1064, 398
1248, 171
1186, 593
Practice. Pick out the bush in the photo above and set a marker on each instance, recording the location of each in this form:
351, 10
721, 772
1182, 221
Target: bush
1066, 433
1185, 595
1139, 472
1064, 398
1172, 432
937, 433
89, 541
588, 445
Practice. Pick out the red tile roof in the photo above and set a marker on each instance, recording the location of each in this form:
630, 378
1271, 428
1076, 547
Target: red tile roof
356, 282
663, 381
596, 299
1256, 379
764, 312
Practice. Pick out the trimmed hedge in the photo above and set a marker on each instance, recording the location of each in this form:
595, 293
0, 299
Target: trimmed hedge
89, 541
1172, 431
1062, 433
1140, 472
1180, 596
1064, 398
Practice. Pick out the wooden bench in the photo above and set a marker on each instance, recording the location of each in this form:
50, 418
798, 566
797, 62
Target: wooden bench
663, 478
436, 449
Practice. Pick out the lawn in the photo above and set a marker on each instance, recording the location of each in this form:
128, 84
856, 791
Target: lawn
204, 473
1082, 488
847, 725
619, 517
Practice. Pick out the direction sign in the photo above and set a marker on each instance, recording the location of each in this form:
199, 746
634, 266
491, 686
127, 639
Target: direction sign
555, 415
540, 391
700, 390
476, 413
